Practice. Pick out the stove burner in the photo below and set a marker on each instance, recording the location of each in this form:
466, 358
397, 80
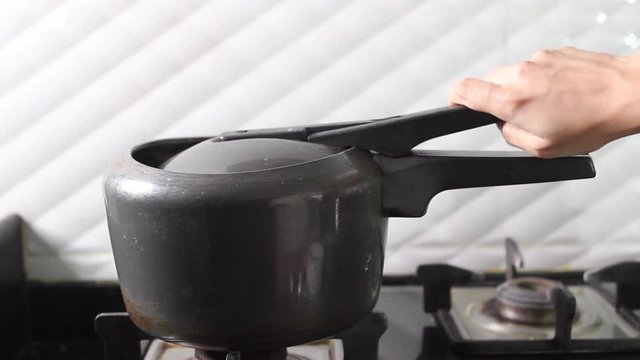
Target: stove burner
525, 300
535, 315
486, 315
280, 354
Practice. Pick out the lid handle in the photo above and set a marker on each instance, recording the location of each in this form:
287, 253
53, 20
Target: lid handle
397, 135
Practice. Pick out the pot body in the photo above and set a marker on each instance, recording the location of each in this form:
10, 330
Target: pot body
252, 260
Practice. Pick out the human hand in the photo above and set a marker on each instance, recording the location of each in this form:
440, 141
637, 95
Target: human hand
561, 102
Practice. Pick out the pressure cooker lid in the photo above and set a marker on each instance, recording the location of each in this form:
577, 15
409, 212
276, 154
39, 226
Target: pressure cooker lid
227, 157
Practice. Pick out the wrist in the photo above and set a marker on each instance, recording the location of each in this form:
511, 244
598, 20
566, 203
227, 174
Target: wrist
629, 113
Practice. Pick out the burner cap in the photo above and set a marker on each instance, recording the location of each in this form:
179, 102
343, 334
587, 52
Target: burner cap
526, 300
528, 292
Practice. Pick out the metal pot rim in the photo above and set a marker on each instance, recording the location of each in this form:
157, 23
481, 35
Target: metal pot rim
180, 144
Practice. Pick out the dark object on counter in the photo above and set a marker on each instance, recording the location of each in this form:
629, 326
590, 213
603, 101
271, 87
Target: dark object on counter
257, 240
13, 290
51, 321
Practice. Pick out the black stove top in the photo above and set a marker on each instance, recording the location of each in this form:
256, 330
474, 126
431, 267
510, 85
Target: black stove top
58, 320
410, 336
62, 326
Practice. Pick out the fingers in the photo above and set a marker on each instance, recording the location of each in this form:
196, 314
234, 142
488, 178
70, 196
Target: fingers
569, 53
527, 141
481, 96
570, 50
503, 75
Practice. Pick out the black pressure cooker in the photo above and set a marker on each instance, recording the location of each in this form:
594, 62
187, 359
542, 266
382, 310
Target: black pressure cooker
257, 240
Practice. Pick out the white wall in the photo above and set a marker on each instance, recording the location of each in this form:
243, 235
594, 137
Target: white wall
83, 81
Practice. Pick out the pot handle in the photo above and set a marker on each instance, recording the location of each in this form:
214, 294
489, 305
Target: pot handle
410, 182
397, 135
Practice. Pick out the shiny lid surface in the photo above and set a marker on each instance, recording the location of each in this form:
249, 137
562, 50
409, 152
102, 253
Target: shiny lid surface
236, 156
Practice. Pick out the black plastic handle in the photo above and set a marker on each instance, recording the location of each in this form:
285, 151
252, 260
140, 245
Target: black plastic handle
300, 133
409, 183
397, 135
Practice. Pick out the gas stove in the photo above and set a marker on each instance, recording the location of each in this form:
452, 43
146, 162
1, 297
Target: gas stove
454, 313
442, 312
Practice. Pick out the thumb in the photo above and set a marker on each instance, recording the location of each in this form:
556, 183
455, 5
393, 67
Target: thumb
479, 95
